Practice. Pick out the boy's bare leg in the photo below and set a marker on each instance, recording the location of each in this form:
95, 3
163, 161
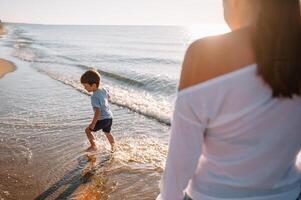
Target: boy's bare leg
91, 139
111, 140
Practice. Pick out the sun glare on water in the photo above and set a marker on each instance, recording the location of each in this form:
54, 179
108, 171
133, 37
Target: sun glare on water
199, 31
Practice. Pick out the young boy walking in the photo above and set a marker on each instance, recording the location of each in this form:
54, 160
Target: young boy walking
103, 116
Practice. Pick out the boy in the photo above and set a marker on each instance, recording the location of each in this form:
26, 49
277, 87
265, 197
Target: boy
103, 116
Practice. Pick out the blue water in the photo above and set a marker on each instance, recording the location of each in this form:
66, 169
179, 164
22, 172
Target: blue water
139, 64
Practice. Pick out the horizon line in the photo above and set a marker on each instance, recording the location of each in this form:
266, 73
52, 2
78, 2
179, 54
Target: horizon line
54, 24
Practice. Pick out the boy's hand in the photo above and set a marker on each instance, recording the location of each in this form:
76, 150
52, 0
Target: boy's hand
95, 118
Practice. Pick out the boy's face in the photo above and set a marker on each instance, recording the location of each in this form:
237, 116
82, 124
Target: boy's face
90, 88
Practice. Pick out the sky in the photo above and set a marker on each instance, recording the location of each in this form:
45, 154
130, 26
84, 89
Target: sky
113, 12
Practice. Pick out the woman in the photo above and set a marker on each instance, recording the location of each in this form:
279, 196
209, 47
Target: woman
236, 128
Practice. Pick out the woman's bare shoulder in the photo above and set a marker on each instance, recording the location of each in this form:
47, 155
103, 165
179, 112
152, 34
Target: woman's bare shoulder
214, 56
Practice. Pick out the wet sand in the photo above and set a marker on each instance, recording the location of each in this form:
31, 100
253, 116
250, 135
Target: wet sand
6, 67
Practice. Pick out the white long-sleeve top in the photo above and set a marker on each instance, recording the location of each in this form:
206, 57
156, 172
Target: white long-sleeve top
231, 140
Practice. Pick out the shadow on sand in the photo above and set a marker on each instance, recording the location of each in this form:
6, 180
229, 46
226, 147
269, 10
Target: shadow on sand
75, 178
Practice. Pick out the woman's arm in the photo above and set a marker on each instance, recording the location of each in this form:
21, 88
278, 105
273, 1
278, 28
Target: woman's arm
186, 138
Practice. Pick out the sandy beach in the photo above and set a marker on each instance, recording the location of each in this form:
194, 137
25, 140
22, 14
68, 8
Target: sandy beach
6, 67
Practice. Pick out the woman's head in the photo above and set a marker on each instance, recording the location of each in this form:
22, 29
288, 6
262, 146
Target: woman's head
276, 39
240, 13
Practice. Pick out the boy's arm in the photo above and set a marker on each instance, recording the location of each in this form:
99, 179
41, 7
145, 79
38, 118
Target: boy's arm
95, 118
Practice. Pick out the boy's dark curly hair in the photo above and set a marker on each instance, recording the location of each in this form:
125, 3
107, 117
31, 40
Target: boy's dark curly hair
90, 77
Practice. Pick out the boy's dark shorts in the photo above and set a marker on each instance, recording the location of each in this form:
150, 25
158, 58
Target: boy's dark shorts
104, 124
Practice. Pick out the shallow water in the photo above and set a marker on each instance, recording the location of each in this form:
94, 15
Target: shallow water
42, 125
42, 137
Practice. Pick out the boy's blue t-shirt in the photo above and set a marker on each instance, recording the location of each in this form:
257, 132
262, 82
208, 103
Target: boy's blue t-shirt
100, 99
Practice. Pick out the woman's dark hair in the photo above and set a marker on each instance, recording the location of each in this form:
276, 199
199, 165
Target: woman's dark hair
277, 41
90, 77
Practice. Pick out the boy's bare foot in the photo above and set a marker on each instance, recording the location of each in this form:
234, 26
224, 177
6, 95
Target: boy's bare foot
91, 148
113, 147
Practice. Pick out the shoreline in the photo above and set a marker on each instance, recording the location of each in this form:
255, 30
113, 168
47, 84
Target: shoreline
6, 67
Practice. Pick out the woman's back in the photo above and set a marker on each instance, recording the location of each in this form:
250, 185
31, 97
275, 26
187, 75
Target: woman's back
251, 139
233, 140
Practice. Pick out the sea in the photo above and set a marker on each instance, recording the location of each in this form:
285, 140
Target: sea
44, 109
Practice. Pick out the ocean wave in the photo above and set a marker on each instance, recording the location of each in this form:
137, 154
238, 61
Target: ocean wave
135, 59
142, 81
23, 54
28, 49
33, 53
114, 76
147, 94
140, 102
